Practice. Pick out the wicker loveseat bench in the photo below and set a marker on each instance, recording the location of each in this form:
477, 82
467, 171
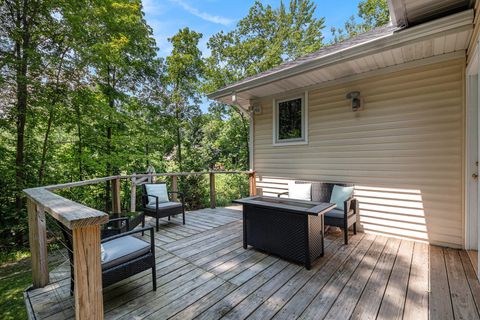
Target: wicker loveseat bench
342, 218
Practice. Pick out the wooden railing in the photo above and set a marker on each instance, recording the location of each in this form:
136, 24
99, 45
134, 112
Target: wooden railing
85, 224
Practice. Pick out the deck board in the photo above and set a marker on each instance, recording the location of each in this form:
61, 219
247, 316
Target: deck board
416, 303
393, 301
369, 303
203, 272
463, 303
440, 300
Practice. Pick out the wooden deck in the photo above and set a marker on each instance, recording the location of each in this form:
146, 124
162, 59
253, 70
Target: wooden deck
204, 273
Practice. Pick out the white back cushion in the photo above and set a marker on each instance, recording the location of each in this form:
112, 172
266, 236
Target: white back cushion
159, 190
300, 191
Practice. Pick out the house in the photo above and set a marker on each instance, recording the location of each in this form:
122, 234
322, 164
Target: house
393, 110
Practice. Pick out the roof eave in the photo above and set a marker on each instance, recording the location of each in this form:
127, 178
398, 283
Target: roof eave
449, 24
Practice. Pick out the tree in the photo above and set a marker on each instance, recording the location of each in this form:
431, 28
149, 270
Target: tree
119, 47
372, 13
184, 67
263, 39
24, 28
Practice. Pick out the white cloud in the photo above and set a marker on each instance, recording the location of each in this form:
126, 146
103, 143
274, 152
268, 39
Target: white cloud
203, 15
153, 7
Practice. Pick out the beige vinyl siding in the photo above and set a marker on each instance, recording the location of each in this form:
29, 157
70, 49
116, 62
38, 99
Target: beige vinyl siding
403, 151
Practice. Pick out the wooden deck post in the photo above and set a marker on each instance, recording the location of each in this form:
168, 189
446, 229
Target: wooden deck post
174, 187
116, 202
37, 232
253, 183
88, 273
212, 190
133, 193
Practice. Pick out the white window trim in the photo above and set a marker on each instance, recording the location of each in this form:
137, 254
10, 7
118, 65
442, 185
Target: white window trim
290, 142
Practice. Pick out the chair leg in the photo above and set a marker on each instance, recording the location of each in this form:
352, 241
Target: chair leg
168, 218
157, 225
354, 228
143, 225
183, 215
72, 286
154, 277
345, 235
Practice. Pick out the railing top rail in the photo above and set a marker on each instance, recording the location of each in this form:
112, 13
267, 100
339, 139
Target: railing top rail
69, 213
177, 174
81, 183
75, 215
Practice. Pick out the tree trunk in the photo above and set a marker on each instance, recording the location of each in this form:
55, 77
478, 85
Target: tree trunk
80, 143
147, 152
41, 171
111, 103
51, 116
179, 139
22, 49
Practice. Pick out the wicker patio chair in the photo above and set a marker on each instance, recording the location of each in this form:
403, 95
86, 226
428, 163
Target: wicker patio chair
344, 219
123, 256
157, 204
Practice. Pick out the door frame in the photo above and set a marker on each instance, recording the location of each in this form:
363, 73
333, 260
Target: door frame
472, 153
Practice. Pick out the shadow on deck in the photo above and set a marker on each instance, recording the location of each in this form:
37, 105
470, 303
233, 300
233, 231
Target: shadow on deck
203, 272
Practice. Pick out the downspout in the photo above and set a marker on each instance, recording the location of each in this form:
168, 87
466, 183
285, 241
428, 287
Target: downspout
251, 138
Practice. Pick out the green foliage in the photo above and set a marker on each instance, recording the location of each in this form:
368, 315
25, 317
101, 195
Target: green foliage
184, 67
263, 39
372, 13
230, 187
14, 278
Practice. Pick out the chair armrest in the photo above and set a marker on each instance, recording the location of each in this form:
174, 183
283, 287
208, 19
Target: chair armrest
349, 204
130, 233
156, 200
355, 205
282, 194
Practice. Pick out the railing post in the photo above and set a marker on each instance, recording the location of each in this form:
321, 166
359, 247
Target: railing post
212, 190
174, 187
88, 273
133, 193
38, 244
116, 202
253, 183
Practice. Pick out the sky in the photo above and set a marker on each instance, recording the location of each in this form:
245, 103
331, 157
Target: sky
208, 17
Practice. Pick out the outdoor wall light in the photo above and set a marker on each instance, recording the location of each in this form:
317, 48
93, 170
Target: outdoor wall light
356, 101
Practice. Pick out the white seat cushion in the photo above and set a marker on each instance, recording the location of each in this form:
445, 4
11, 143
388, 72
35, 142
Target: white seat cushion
164, 205
158, 190
121, 250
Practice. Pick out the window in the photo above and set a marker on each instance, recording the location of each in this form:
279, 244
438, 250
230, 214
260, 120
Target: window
290, 121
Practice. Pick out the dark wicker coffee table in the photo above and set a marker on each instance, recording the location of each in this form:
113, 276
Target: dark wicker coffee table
291, 229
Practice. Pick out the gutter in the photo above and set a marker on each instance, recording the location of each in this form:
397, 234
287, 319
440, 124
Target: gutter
451, 24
